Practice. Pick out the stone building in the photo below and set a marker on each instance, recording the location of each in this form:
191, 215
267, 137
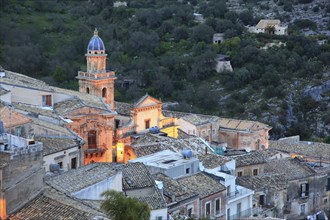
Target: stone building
250, 164
269, 27
21, 172
269, 192
180, 201
306, 189
212, 195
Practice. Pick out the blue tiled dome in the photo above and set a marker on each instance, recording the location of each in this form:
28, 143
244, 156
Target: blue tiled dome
96, 42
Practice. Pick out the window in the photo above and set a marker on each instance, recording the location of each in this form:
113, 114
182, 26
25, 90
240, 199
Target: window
159, 218
190, 212
104, 92
328, 185
117, 122
47, 100
239, 209
213, 131
147, 123
61, 164
302, 209
217, 206
255, 172
208, 209
92, 139
228, 213
187, 170
325, 201
87, 90
239, 173
74, 163
262, 200
209, 132
304, 188
18, 131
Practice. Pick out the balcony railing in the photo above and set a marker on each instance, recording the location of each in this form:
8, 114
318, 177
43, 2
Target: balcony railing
245, 214
95, 149
238, 193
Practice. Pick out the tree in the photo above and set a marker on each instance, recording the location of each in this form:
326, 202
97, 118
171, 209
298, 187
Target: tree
119, 207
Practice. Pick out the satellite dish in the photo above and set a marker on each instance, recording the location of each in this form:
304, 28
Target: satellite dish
248, 150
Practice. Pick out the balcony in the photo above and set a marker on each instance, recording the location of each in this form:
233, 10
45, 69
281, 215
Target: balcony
82, 75
239, 193
244, 214
94, 150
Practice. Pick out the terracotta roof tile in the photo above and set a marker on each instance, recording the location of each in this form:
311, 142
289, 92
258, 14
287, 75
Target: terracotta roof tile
312, 149
137, 176
274, 181
293, 168
202, 184
11, 118
173, 189
77, 179
44, 207
254, 157
211, 161
53, 145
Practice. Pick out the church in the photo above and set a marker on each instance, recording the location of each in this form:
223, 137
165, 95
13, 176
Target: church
107, 127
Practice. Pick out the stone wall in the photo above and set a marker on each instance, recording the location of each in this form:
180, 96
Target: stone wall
22, 176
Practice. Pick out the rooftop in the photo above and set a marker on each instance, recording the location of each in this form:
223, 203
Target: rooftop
293, 168
12, 78
202, 184
263, 23
164, 159
151, 143
76, 100
254, 157
3, 91
123, 108
172, 189
260, 182
11, 118
78, 179
54, 145
243, 125
45, 207
311, 149
211, 161
137, 176
195, 119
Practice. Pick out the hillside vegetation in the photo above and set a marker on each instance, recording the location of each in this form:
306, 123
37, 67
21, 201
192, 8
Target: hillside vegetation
163, 51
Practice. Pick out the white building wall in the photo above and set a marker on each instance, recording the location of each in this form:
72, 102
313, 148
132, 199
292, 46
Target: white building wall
246, 203
187, 127
154, 214
6, 97
67, 155
26, 95
94, 192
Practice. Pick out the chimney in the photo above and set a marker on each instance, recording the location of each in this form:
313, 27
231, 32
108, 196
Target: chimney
173, 198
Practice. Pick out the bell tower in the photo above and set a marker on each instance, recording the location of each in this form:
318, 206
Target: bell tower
97, 80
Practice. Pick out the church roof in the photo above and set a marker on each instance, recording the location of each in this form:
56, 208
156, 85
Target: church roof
95, 42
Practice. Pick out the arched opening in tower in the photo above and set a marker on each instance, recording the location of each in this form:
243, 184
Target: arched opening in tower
104, 92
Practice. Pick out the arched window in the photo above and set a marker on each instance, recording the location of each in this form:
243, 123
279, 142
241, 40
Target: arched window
104, 92
92, 139
87, 90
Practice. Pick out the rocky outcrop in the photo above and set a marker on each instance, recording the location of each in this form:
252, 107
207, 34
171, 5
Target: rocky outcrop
316, 92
